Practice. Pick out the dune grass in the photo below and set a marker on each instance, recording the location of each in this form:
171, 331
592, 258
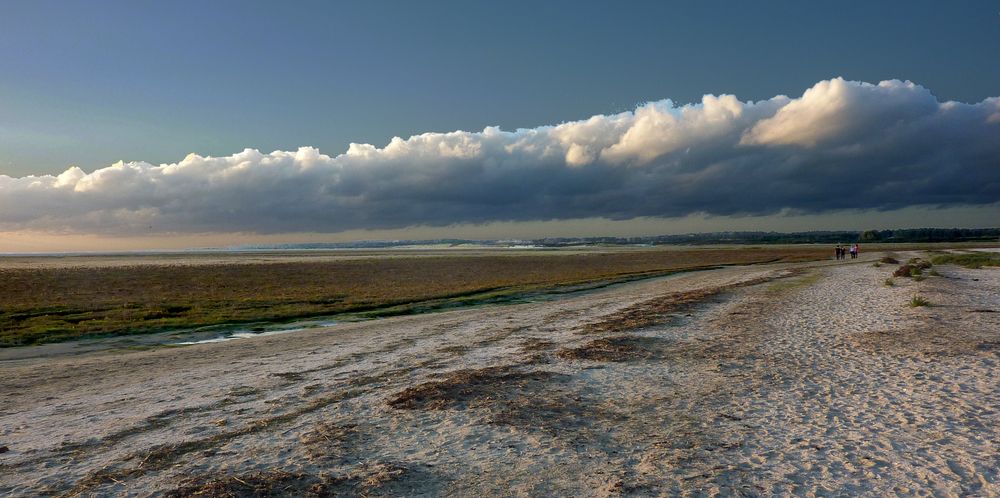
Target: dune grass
39, 305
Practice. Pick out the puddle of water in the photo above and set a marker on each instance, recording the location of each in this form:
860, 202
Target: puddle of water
187, 337
247, 334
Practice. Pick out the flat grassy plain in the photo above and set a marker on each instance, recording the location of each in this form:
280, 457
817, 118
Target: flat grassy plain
50, 302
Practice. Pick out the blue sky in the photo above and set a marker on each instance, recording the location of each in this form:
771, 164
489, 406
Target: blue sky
90, 83
87, 84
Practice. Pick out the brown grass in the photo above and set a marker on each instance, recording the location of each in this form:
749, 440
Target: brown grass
48, 304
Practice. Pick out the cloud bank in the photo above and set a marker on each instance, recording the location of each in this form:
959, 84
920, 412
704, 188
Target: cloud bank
840, 145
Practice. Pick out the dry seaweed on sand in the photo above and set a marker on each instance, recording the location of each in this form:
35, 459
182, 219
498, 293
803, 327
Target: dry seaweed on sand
617, 348
533, 401
365, 480
273, 483
534, 344
328, 439
461, 387
653, 311
535, 350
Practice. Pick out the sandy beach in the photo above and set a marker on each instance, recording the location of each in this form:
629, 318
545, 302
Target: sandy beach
797, 379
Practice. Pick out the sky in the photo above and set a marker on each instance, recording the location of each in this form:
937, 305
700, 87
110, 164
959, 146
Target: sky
142, 124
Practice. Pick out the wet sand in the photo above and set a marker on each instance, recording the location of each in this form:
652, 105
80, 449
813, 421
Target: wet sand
791, 379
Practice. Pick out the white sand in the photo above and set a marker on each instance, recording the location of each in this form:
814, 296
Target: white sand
822, 384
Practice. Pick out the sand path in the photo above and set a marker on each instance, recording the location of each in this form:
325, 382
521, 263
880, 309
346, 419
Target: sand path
821, 382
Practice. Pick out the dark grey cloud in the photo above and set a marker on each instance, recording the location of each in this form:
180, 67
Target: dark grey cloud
841, 145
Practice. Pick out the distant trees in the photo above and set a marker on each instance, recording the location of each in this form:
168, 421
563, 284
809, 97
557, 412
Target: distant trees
816, 237
870, 236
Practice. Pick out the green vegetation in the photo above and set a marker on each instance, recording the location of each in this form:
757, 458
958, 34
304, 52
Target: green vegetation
889, 282
795, 283
40, 305
930, 235
913, 268
917, 301
920, 263
968, 260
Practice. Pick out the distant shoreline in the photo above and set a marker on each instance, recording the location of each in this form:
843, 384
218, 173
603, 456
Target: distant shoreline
742, 238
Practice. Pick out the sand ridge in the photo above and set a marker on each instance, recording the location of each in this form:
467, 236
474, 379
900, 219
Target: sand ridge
820, 383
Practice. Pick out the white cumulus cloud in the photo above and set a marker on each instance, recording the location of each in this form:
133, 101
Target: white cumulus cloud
841, 144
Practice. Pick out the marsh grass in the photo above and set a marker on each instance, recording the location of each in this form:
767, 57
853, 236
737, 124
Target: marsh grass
39, 305
917, 301
972, 260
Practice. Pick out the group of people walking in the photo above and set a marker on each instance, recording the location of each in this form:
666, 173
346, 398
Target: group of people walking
843, 251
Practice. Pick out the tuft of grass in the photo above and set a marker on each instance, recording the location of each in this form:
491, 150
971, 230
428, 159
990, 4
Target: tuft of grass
889, 282
917, 301
913, 269
877, 264
933, 273
919, 278
968, 260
